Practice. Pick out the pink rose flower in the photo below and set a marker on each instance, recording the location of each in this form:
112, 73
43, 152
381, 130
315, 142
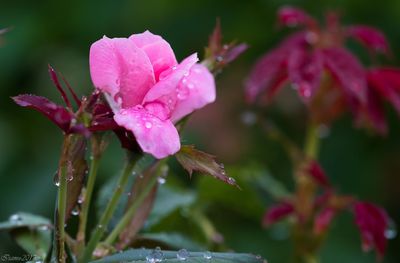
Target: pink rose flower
147, 89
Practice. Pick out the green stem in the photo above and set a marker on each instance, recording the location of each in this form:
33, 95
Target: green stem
127, 218
108, 212
62, 203
94, 165
311, 147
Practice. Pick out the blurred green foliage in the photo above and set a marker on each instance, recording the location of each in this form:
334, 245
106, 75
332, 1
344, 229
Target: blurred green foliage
61, 32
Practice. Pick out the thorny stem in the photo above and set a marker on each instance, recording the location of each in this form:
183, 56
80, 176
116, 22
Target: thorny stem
108, 212
87, 195
126, 219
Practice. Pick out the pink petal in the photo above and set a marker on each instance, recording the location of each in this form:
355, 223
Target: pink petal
165, 90
155, 136
348, 71
158, 50
371, 37
291, 16
305, 70
277, 212
122, 70
194, 92
323, 220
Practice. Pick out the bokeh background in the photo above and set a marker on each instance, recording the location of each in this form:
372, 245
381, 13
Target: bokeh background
61, 32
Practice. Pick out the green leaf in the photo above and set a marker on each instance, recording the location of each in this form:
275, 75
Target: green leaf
143, 211
139, 256
194, 160
171, 240
31, 232
21, 219
167, 201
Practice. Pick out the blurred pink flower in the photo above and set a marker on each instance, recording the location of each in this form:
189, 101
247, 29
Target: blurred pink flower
372, 222
147, 89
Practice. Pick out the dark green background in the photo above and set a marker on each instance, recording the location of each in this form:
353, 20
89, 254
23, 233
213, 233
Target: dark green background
61, 32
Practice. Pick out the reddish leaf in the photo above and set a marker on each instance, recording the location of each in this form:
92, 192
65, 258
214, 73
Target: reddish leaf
54, 78
370, 37
305, 71
270, 71
348, 72
291, 16
375, 112
194, 160
318, 174
233, 51
372, 222
277, 212
215, 39
323, 219
386, 81
57, 114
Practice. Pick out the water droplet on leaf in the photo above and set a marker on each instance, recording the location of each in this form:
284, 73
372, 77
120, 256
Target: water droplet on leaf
182, 254
155, 256
16, 218
207, 255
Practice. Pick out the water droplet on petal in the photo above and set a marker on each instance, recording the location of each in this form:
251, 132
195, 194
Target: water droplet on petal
70, 178
182, 92
183, 254
148, 124
219, 58
16, 218
190, 85
207, 255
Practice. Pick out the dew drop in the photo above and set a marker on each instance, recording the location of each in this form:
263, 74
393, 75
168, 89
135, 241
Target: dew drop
161, 180
207, 255
16, 218
155, 256
222, 166
70, 178
100, 226
231, 180
219, 58
75, 211
81, 198
44, 227
148, 125
182, 92
391, 230
55, 180
190, 85
183, 254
